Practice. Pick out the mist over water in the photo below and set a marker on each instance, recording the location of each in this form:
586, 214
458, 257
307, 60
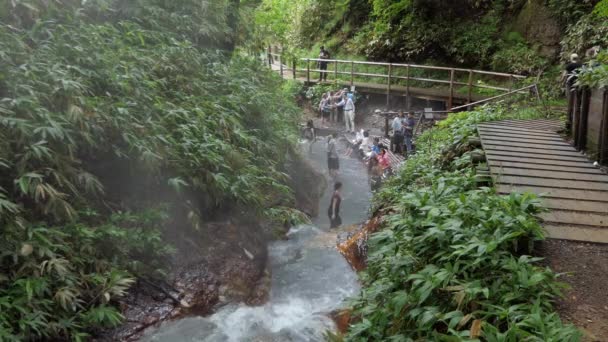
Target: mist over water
309, 278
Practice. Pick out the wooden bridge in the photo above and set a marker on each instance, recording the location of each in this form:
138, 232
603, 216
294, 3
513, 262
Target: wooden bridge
452, 85
529, 156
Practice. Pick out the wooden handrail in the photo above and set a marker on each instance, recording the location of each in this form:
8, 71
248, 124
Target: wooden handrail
417, 66
394, 73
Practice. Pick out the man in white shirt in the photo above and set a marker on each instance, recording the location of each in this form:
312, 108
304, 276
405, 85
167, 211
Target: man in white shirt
397, 126
349, 113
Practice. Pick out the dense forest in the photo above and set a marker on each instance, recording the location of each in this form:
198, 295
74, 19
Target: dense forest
517, 36
122, 123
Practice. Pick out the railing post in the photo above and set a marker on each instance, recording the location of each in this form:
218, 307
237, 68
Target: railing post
451, 99
388, 86
281, 64
470, 90
352, 73
407, 87
294, 65
307, 70
336, 71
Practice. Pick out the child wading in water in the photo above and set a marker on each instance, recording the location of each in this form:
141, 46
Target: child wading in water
334, 207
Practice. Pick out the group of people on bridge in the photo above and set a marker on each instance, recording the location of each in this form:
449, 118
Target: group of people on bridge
335, 105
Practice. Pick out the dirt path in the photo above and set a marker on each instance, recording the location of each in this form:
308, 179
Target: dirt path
585, 304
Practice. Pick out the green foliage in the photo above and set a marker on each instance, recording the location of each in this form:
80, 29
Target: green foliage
516, 56
450, 254
59, 282
108, 108
595, 73
570, 11
601, 9
591, 30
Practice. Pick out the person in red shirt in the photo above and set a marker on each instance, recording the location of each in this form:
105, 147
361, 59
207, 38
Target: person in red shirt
383, 160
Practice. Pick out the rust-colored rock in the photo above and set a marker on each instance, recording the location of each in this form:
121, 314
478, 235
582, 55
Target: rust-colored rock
354, 249
342, 319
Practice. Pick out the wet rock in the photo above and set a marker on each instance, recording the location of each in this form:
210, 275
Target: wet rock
207, 270
308, 184
354, 246
539, 27
342, 318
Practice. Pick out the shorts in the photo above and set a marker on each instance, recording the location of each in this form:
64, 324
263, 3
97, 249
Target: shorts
325, 113
333, 163
336, 222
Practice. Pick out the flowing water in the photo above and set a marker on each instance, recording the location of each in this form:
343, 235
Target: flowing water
309, 278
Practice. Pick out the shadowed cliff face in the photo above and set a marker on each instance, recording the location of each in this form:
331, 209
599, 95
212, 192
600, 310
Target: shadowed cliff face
308, 182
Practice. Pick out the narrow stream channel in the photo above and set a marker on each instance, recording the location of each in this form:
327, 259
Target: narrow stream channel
309, 278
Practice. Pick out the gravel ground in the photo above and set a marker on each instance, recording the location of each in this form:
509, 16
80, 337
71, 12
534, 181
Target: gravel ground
585, 304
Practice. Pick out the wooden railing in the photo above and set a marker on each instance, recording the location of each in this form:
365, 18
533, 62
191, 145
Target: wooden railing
396, 74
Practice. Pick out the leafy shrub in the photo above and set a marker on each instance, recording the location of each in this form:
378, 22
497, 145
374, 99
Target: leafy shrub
60, 282
518, 58
591, 30
108, 108
595, 73
570, 11
448, 265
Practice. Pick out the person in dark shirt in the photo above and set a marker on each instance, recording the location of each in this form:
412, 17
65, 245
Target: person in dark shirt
334, 207
323, 54
571, 70
408, 132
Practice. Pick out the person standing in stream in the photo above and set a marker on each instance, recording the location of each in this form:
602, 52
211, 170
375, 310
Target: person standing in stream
334, 207
333, 161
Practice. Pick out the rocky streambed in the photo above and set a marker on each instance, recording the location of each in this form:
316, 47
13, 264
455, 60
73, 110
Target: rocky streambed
236, 282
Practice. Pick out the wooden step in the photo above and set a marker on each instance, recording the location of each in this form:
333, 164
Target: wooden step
513, 171
579, 205
548, 192
551, 183
495, 152
576, 233
575, 218
536, 150
522, 164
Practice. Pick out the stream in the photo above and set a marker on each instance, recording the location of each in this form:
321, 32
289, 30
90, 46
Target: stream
310, 278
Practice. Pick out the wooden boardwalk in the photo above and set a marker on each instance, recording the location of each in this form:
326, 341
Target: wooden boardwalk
529, 156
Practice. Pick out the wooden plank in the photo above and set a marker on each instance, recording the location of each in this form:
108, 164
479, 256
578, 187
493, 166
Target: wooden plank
576, 218
540, 151
547, 192
547, 167
577, 233
537, 161
565, 148
578, 205
533, 155
516, 129
525, 135
502, 139
510, 171
551, 183
530, 124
